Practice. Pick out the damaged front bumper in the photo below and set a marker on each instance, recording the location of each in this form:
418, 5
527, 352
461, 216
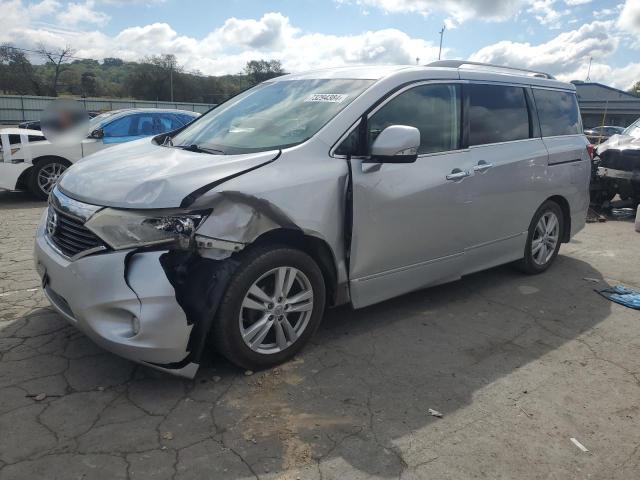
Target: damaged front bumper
124, 301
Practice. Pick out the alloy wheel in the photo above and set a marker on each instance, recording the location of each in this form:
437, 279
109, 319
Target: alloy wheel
545, 238
276, 310
49, 175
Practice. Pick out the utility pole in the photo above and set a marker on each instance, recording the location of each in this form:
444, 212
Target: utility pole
589, 69
441, 35
171, 81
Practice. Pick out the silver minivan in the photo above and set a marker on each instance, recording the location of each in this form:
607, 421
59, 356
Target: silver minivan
349, 185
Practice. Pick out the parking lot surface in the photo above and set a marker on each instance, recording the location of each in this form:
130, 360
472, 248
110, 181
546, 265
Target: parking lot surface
517, 365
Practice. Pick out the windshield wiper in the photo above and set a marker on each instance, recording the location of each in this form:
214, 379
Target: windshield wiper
199, 149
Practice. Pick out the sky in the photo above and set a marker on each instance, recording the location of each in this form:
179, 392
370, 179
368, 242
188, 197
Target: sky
217, 37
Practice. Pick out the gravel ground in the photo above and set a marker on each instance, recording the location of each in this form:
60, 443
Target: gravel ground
517, 366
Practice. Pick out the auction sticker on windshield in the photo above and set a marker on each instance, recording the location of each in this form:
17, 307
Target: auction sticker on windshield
326, 97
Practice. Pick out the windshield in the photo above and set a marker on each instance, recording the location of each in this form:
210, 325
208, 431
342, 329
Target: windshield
270, 116
633, 129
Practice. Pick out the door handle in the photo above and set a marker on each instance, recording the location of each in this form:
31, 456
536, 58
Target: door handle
457, 174
482, 166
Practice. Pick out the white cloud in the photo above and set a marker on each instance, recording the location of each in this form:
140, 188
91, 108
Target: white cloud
545, 12
458, 11
572, 3
227, 48
271, 31
564, 54
81, 13
567, 56
629, 19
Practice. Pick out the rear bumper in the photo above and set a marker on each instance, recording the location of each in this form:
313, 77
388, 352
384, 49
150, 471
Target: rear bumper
108, 295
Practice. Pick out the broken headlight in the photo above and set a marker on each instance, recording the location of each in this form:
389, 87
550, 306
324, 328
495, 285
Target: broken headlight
122, 229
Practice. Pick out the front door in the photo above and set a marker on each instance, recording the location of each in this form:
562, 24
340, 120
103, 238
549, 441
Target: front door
409, 220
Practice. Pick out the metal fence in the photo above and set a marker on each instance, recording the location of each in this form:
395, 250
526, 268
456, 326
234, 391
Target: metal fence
18, 108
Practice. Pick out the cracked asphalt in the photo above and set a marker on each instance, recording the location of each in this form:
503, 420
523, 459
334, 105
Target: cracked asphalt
517, 365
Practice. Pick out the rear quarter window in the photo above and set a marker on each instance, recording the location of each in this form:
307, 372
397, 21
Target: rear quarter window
497, 114
558, 112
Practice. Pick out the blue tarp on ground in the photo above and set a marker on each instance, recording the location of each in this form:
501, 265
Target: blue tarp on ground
622, 295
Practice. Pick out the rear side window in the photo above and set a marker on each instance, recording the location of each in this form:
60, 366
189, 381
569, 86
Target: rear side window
432, 109
558, 112
497, 114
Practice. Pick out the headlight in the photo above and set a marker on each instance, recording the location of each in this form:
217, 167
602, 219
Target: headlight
122, 229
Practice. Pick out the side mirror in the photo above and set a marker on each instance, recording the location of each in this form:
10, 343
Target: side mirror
97, 133
396, 144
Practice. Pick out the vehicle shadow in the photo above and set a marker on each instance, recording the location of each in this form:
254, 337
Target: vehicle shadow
358, 394
11, 200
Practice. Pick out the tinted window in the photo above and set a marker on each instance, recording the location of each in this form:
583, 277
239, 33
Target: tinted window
558, 112
118, 128
168, 122
146, 126
497, 114
432, 109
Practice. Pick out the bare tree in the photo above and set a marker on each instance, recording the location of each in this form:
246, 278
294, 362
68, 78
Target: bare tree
58, 57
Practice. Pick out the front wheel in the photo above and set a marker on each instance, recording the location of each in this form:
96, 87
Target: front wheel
543, 240
272, 306
44, 176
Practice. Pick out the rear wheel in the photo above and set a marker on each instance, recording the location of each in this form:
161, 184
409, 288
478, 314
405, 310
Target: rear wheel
273, 305
45, 175
543, 240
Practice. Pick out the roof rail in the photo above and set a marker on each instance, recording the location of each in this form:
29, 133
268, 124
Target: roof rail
459, 63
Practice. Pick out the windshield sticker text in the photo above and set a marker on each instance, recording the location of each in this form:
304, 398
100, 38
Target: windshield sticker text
326, 97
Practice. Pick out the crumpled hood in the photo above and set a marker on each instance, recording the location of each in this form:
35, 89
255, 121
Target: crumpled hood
142, 174
619, 142
620, 152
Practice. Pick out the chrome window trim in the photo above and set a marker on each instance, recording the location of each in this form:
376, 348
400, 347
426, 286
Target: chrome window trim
504, 143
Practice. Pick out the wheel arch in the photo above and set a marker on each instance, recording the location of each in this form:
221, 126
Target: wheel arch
566, 213
43, 158
23, 180
317, 248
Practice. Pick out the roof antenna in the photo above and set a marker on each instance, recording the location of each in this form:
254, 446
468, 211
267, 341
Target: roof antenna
441, 35
589, 70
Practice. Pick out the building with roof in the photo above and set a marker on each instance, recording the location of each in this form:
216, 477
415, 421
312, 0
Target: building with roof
604, 105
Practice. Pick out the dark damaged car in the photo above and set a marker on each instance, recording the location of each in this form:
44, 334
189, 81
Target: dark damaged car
617, 167
350, 185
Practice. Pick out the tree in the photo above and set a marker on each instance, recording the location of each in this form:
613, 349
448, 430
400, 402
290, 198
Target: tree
58, 58
112, 62
152, 78
635, 90
260, 70
88, 84
16, 72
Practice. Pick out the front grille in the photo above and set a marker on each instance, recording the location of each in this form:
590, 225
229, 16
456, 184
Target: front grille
69, 234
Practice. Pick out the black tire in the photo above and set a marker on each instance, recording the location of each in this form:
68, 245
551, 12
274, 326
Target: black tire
34, 185
528, 264
226, 332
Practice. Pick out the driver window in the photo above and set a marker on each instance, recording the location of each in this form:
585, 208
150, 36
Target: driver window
435, 110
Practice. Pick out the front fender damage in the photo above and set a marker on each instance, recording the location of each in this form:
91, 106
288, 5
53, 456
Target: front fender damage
200, 275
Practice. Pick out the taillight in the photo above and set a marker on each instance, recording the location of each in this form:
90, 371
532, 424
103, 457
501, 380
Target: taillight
591, 150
